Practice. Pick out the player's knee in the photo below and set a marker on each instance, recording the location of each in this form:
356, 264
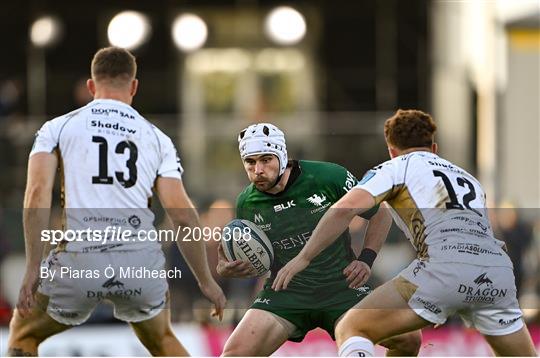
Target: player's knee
349, 327
233, 349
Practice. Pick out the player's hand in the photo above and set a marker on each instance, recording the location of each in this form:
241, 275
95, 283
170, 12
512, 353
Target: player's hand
237, 269
26, 298
287, 272
213, 292
357, 273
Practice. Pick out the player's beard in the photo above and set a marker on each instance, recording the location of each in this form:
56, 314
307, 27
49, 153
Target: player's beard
264, 184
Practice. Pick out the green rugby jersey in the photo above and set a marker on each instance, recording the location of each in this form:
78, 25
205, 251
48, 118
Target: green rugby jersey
289, 218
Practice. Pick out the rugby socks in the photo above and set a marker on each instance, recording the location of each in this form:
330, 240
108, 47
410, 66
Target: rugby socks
356, 347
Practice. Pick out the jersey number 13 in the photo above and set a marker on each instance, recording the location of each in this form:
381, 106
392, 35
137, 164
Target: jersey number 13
103, 172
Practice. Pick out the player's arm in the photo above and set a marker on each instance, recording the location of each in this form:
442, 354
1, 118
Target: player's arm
333, 223
181, 212
358, 271
376, 186
37, 203
376, 233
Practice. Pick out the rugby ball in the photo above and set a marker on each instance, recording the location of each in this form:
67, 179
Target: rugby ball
243, 240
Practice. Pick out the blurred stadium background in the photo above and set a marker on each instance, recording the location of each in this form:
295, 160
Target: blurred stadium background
329, 73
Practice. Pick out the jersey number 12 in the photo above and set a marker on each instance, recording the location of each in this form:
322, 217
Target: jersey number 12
467, 198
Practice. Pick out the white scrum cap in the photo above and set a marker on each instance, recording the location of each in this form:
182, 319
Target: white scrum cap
263, 138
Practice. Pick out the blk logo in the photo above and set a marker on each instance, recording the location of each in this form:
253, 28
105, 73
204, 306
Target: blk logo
281, 207
264, 301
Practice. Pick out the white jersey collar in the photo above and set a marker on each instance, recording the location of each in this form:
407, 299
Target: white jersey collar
113, 102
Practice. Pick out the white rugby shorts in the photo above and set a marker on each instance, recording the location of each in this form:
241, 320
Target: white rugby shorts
83, 280
484, 296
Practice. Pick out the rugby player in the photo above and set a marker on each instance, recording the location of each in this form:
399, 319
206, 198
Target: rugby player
286, 199
460, 267
110, 159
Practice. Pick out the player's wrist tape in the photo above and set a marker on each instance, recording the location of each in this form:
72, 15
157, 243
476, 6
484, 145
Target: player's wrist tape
368, 256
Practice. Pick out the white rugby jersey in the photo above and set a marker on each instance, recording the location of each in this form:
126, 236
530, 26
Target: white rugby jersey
439, 206
110, 157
